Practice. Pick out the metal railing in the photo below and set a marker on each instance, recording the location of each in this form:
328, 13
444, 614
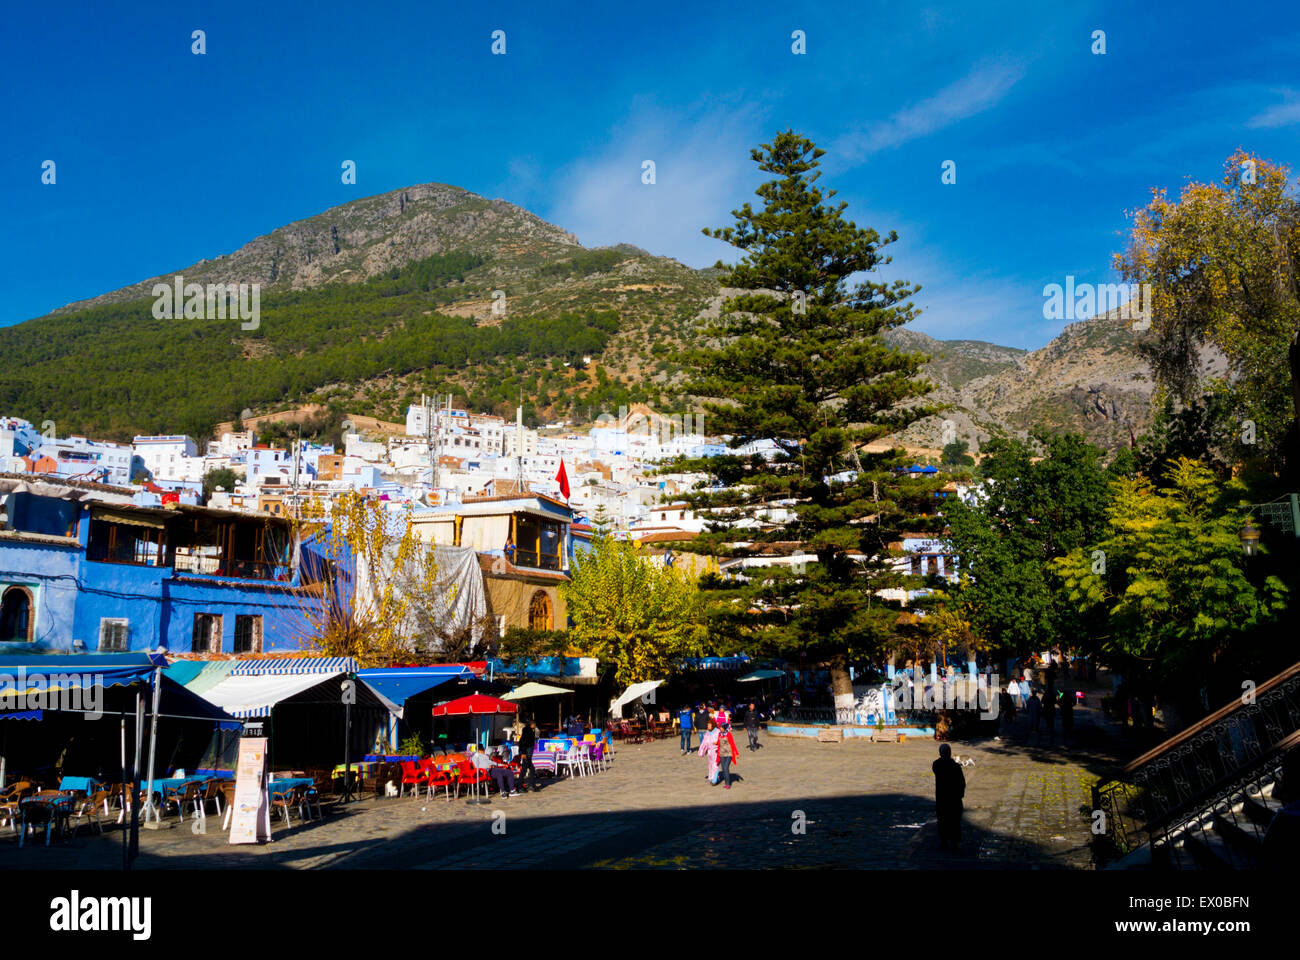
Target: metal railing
835, 716
1282, 513
1224, 804
1183, 774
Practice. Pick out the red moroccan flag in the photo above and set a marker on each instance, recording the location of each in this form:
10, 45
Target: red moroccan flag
562, 479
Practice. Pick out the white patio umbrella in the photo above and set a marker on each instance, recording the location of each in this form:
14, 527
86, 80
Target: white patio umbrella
634, 692
534, 689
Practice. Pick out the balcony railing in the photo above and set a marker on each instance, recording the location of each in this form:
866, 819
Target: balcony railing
239, 569
1185, 772
541, 561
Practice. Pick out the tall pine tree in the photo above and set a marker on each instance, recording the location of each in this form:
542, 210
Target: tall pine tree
797, 359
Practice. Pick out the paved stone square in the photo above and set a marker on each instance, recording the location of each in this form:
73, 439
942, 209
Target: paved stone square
796, 803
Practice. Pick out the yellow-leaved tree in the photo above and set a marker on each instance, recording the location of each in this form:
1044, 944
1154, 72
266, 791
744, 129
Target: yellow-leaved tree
379, 573
636, 614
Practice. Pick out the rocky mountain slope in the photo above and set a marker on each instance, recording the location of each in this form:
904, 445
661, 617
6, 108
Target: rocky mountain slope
1089, 379
431, 289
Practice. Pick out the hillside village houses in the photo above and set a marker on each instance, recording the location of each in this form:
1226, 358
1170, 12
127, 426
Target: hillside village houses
105, 546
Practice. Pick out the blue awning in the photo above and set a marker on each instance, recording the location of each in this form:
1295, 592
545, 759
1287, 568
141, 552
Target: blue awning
21, 714
738, 662
66, 672
546, 667
399, 683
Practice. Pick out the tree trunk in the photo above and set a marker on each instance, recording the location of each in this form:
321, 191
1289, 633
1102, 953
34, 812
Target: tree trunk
1293, 355
841, 686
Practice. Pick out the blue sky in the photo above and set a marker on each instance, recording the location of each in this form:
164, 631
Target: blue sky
164, 158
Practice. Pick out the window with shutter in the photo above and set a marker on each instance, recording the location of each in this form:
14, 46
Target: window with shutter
206, 637
114, 635
248, 634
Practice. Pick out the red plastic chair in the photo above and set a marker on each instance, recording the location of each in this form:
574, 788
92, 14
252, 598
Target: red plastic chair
441, 778
413, 775
472, 776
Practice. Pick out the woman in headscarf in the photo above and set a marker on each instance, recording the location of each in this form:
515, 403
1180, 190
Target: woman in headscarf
709, 748
727, 754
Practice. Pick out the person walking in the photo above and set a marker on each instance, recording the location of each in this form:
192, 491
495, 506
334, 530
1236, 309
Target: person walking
1006, 713
685, 724
751, 727
949, 789
527, 742
709, 748
727, 755
1034, 711
1049, 714
701, 719
1013, 688
1067, 718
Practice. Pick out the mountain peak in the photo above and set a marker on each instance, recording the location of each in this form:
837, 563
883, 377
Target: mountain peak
365, 238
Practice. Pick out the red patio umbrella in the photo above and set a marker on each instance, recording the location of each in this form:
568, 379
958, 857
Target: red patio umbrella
475, 703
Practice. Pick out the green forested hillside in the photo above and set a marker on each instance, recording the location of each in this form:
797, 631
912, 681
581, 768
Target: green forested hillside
113, 371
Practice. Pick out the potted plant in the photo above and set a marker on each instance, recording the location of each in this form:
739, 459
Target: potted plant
413, 746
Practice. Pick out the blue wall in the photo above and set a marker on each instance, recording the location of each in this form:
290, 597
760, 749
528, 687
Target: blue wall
73, 594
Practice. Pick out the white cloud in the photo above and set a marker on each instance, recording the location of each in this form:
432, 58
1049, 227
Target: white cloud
974, 93
702, 172
1280, 114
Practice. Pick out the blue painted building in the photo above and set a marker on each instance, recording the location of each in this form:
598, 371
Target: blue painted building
85, 568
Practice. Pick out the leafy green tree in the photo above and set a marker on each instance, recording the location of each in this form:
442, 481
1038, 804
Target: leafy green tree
637, 616
1223, 262
956, 454
1170, 578
797, 358
1027, 512
222, 477
1203, 429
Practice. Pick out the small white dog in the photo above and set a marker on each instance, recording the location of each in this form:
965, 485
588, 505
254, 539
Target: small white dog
390, 789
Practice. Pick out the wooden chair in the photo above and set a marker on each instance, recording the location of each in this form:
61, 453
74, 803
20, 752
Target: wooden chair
191, 793
89, 807
11, 799
283, 800
311, 795
212, 793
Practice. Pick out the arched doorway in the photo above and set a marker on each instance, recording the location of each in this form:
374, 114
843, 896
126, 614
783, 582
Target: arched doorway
16, 615
540, 615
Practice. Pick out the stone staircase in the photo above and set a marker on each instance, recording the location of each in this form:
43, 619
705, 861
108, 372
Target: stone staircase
1206, 798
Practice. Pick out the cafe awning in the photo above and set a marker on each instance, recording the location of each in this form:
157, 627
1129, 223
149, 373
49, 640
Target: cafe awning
533, 689
256, 696
399, 684
39, 674
760, 675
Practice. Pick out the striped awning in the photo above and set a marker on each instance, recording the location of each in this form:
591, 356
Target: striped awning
293, 666
250, 696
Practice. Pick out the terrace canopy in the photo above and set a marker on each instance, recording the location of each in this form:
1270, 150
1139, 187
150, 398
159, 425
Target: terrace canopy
533, 689
399, 684
70, 690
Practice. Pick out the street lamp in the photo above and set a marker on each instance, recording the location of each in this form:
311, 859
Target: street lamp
1249, 539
